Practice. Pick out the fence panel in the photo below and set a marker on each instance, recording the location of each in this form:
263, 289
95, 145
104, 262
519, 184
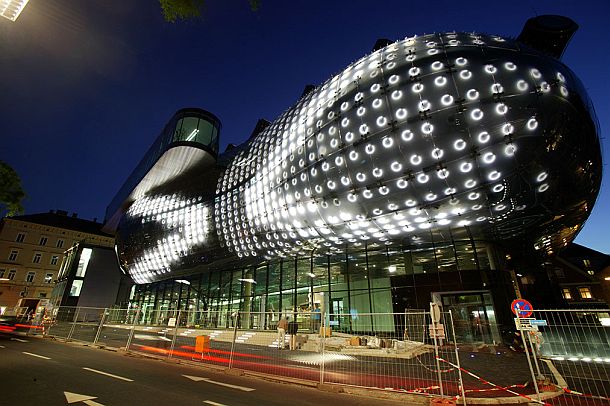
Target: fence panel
574, 346
63, 319
87, 323
116, 328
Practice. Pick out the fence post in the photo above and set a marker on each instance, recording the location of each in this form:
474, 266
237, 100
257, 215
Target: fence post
235, 317
133, 327
171, 350
435, 317
99, 329
322, 362
73, 324
527, 355
457, 358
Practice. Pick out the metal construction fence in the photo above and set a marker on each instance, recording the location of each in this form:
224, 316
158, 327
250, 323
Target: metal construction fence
557, 357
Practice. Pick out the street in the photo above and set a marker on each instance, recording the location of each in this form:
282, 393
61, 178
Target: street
36, 371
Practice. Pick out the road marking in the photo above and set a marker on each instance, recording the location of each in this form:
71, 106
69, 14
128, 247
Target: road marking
208, 380
35, 355
107, 374
77, 397
19, 339
209, 402
1, 346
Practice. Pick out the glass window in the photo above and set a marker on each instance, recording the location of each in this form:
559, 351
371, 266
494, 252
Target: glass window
2, 271
43, 240
585, 292
11, 274
20, 237
77, 285
288, 292
48, 278
30, 276
83, 262
13, 255
60, 243
54, 259
566, 293
37, 257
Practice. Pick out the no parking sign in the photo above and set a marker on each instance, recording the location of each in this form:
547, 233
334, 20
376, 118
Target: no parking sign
521, 308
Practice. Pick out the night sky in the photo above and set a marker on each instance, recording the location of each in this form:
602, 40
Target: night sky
86, 86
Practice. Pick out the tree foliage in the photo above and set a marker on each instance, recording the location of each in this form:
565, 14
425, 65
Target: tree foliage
11, 193
188, 9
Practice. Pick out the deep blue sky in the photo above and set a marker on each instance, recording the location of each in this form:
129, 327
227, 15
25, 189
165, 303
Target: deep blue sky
86, 86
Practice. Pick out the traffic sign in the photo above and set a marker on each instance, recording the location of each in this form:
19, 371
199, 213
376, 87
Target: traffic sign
524, 324
539, 323
521, 308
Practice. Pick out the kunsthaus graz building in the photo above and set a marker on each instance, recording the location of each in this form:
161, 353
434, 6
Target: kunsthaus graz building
441, 168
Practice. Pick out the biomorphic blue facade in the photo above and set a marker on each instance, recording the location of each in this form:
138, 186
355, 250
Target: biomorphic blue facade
431, 136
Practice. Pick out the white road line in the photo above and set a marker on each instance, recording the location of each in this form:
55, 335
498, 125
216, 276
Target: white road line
1, 346
228, 385
19, 339
35, 355
209, 402
107, 374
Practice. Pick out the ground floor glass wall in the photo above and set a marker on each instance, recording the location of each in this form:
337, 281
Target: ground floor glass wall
349, 286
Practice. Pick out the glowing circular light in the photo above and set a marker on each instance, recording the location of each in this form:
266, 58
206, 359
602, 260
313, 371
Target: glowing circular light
414, 71
353, 155
361, 177
461, 61
384, 190
472, 94
541, 176
396, 94
344, 122
490, 69
377, 103
344, 106
564, 91
417, 88
440, 81
387, 142
532, 124
406, 135
393, 79
510, 149
543, 188
360, 112
501, 108
401, 113
423, 178
446, 100
459, 144
377, 172
395, 166
367, 194
498, 188
430, 196
497, 88
325, 166
415, 159
352, 197
508, 129
424, 105
476, 114
410, 203
363, 129
345, 181
331, 184
474, 196
349, 137
470, 183
339, 161
449, 191
369, 149
359, 96
401, 183
437, 153
494, 175
381, 121
483, 137
427, 128
465, 74
466, 167
410, 58
522, 85
489, 157
443, 173
545, 87
437, 65
510, 66
375, 88
535, 73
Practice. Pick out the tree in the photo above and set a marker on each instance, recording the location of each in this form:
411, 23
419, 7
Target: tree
11, 193
187, 9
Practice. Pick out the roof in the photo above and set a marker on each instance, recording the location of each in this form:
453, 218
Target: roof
64, 221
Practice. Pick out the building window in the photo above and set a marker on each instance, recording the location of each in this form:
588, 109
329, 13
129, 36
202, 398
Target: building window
587, 263
566, 293
83, 262
48, 278
54, 259
42, 294
11, 274
60, 244
20, 237
585, 293
43, 241
30, 276
13, 255
37, 257
2, 273
76, 287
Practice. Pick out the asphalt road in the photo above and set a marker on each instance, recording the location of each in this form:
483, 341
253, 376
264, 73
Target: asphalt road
35, 371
